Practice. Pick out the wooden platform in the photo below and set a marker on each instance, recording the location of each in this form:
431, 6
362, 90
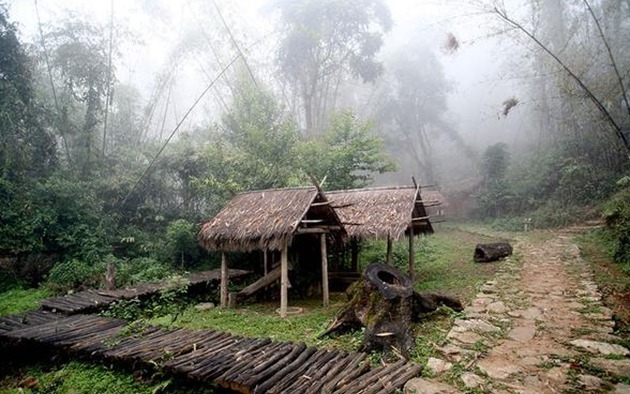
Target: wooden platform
246, 365
26, 319
95, 300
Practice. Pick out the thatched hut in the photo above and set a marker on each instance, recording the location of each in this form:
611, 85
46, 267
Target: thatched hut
382, 213
435, 204
270, 220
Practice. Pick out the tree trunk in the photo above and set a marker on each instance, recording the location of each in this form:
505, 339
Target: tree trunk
383, 301
491, 252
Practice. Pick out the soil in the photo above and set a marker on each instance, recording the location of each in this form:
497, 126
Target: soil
540, 326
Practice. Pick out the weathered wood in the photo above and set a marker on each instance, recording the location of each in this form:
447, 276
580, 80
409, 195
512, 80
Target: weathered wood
388, 256
324, 256
224, 281
492, 251
284, 280
412, 256
286, 368
292, 371
355, 368
252, 382
318, 368
370, 378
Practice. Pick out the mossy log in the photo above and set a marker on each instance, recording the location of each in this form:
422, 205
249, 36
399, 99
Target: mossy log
485, 253
383, 301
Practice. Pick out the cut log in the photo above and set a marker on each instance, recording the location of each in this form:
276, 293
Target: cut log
383, 301
491, 252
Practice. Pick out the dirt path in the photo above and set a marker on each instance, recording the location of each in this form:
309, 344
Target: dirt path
538, 327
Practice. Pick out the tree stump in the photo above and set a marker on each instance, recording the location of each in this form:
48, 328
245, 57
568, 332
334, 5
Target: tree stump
383, 301
485, 253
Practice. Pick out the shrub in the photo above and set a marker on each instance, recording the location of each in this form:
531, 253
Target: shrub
183, 248
141, 269
74, 275
617, 215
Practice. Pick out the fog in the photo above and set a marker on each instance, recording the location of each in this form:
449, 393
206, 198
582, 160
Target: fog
469, 63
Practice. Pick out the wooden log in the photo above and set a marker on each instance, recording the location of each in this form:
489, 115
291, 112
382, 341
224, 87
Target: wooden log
224, 281
331, 374
370, 378
321, 362
294, 371
284, 280
388, 256
270, 368
324, 257
492, 251
412, 256
355, 368
288, 368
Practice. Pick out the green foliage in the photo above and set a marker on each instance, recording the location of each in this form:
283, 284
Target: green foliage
494, 197
21, 300
348, 154
181, 238
74, 274
617, 214
139, 270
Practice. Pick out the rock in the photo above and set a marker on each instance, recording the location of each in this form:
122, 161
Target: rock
497, 308
423, 386
469, 338
622, 388
437, 366
590, 383
476, 325
204, 306
601, 347
523, 333
615, 367
498, 368
471, 380
455, 353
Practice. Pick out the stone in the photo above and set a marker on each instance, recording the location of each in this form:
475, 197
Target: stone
424, 386
615, 367
557, 375
522, 333
497, 308
471, 380
498, 368
622, 388
455, 353
476, 325
469, 338
590, 383
437, 366
601, 347
204, 306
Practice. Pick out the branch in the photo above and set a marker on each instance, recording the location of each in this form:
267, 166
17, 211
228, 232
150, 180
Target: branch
503, 15
610, 56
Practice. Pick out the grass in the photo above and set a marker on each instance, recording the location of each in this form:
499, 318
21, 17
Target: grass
443, 264
21, 300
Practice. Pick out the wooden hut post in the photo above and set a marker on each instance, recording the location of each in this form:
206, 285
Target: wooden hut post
224, 281
325, 292
265, 262
412, 257
284, 280
388, 259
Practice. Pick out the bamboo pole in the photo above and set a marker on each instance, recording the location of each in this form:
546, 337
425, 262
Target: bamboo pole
265, 262
388, 259
325, 291
412, 257
284, 280
224, 281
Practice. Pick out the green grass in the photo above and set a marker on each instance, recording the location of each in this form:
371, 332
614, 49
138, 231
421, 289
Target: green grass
78, 378
20, 300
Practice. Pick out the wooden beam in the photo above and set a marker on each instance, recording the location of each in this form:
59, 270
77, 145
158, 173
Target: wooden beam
312, 220
420, 218
265, 262
325, 291
284, 280
319, 204
412, 257
388, 258
224, 281
312, 230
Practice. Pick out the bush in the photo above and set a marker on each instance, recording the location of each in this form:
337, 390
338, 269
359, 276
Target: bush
183, 248
617, 215
141, 269
74, 275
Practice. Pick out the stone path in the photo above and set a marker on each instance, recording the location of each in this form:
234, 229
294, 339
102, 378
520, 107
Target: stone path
538, 327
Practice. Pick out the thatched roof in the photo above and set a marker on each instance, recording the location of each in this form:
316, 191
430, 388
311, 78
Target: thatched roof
380, 212
432, 197
266, 219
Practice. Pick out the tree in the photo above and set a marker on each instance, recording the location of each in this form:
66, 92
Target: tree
325, 41
617, 121
347, 155
494, 164
27, 150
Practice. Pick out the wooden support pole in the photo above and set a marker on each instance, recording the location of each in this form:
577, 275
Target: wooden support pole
412, 256
224, 281
265, 262
354, 255
284, 280
388, 259
324, 253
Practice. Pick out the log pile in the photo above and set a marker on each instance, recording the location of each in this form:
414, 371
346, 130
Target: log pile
384, 302
246, 365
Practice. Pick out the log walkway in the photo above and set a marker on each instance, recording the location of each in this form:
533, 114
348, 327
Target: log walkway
246, 365
95, 300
